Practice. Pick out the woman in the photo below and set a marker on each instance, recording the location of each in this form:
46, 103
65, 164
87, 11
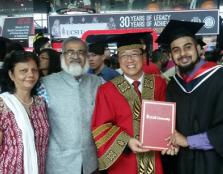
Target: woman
49, 61
23, 120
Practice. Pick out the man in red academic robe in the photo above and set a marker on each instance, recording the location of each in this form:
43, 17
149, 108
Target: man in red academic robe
116, 118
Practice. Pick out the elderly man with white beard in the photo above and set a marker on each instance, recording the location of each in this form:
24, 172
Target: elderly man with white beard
71, 96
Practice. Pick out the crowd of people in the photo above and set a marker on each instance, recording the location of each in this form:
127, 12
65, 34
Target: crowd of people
71, 113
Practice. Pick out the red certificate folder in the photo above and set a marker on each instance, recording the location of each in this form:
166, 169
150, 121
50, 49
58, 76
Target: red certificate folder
157, 123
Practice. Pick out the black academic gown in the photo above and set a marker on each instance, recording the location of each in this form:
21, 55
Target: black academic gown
200, 110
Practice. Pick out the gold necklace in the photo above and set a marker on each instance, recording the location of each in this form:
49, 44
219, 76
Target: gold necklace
24, 103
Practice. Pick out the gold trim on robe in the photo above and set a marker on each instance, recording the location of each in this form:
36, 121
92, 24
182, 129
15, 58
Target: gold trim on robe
100, 129
114, 152
146, 161
107, 137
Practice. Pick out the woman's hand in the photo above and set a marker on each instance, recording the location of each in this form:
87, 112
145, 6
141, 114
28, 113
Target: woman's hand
136, 146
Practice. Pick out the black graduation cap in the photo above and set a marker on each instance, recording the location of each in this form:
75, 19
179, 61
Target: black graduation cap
96, 48
176, 29
117, 37
128, 41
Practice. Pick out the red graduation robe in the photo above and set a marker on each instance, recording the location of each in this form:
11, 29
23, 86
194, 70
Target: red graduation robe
115, 121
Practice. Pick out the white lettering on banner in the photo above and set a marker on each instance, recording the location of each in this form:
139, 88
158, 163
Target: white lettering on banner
162, 17
67, 30
160, 23
148, 17
19, 31
124, 21
132, 21
161, 20
155, 117
137, 18
149, 21
137, 24
153, 20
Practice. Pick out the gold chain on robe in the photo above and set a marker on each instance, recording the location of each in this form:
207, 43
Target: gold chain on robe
146, 161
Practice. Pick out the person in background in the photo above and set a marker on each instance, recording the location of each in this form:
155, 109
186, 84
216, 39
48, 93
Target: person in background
116, 117
111, 23
170, 68
201, 44
15, 46
108, 55
160, 59
197, 91
2, 51
71, 96
211, 55
214, 56
71, 20
4, 48
55, 28
148, 66
40, 42
49, 61
24, 127
220, 59
96, 59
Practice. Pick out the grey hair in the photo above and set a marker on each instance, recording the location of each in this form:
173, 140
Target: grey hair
72, 39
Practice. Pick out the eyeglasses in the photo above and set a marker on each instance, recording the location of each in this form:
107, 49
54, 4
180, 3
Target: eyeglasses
134, 56
74, 52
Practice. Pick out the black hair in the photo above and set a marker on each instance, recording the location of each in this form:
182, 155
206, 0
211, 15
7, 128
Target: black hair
97, 48
213, 56
15, 46
39, 43
5, 43
7, 85
54, 60
158, 55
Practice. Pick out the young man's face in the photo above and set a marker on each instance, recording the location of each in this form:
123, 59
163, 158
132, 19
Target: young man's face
96, 61
184, 53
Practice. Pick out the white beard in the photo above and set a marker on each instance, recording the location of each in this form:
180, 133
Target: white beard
75, 69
